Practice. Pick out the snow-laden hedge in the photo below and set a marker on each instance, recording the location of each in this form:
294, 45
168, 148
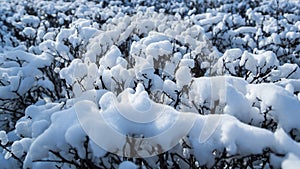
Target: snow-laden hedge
146, 84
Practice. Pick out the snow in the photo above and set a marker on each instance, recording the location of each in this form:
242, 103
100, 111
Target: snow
183, 76
230, 130
291, 161
244, 30
3, 137
160, 48
187, 62
292, 36
208, 20
29, 32
229, 59
148, 122
264, 60
127, 165
230, 138
155, 37
17, 149
23, 128
276, 38
74, 72
75, 137
31, 20
170, 88
285, 106
49, 36
110, 59
70, 133
105, 82
38, 127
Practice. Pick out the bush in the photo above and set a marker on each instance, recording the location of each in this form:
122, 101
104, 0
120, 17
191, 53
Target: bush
169, 84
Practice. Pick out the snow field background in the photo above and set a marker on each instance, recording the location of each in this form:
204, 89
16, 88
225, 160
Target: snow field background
228, 74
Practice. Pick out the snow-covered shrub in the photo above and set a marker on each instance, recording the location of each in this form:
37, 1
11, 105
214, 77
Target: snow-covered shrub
128, 84
255, 68
254, 25
23, 82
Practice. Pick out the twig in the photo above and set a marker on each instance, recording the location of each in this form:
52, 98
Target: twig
12, 154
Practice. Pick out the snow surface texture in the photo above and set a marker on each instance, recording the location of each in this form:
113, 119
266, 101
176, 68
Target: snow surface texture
179, 85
